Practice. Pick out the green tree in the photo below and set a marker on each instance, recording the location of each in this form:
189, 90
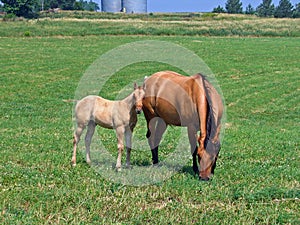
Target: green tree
91, 6
62, 4
24, 8
250, 10
296, 11
219, 9
265, 9
68, 4
234, 6
84, 5
79, 5
284, 9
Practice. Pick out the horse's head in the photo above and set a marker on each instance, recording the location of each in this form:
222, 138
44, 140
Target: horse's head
208, 160
139, 95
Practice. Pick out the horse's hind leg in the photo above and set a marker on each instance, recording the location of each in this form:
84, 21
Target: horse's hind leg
76, 140
156, 129
88, 138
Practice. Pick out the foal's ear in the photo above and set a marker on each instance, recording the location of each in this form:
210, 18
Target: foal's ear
135, 86
144, 86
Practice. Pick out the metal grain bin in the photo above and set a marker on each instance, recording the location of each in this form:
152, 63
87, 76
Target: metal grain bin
135, 6
111, 5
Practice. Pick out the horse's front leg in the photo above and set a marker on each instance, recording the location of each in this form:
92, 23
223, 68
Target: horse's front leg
120, 135
128, 138
192, 133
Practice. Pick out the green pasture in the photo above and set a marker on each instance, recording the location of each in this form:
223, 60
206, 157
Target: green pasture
70, 23
257, 176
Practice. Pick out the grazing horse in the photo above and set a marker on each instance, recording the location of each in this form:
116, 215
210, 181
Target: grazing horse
188, 101
119, 115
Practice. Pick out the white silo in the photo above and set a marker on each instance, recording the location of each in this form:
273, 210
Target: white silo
111, 5
134, 6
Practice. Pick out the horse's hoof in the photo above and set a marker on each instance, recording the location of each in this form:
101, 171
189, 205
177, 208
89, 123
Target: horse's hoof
73, 164
148, 134
154, 162
118, 169
196, 170
203, 178
128, 166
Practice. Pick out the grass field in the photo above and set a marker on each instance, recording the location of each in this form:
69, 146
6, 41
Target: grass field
257, 176
173, 24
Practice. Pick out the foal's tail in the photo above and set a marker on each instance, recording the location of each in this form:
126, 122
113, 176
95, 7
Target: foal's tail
70, 100
214, 115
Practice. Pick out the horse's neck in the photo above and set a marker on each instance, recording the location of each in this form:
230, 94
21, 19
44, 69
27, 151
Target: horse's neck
129, 101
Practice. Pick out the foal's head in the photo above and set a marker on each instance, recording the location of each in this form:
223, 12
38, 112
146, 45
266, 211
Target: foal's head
138, 95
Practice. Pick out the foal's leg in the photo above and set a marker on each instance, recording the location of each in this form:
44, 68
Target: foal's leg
120, 135
77, 134
128, 137
88, 138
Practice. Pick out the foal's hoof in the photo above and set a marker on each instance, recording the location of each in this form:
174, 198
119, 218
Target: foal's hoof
118, 169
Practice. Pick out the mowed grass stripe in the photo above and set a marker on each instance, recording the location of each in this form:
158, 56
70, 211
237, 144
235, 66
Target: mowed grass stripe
267, 88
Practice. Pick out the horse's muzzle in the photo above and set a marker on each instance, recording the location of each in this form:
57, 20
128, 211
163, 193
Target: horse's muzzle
138, 111
204, 178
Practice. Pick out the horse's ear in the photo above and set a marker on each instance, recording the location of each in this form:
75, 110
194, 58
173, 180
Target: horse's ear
135, 86
144, 86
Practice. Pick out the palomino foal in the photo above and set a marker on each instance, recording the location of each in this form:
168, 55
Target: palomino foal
119, 115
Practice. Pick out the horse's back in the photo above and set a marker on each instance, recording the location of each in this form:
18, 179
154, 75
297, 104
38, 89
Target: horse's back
167, 75
173, 97
168, 80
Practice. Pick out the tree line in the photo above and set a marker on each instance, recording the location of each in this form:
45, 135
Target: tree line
285, 9
31, 8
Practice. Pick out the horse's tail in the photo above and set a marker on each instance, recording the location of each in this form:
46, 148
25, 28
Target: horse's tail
214, 115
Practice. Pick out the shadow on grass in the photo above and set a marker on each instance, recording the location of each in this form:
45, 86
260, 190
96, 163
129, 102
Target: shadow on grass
188, 170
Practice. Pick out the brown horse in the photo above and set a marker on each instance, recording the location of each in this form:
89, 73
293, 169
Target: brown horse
192, 102
119, 115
